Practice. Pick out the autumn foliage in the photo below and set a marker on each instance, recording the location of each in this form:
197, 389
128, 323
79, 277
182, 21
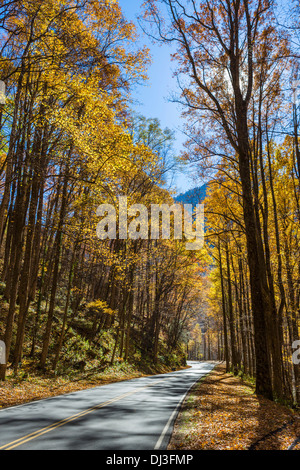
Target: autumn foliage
237, 68
69, 143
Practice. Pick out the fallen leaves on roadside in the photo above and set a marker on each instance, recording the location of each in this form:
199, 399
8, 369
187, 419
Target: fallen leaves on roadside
223, 413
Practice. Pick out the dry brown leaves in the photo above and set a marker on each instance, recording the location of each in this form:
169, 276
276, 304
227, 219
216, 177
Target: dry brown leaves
223, 413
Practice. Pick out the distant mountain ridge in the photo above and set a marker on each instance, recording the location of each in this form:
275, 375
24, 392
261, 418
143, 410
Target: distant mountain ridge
193, 196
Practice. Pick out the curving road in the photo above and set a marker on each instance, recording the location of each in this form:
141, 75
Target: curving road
136, 414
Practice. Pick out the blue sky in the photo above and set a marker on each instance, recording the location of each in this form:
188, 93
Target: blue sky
153, 98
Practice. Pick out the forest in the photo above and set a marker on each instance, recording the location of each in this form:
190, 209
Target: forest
71, 141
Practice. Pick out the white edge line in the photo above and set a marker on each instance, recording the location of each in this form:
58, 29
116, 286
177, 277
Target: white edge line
167, 426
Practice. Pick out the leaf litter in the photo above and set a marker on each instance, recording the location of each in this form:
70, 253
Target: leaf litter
222, 412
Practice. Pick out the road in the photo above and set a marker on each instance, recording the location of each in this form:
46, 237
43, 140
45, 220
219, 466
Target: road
136, 414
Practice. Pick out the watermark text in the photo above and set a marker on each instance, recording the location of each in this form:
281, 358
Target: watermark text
137, 222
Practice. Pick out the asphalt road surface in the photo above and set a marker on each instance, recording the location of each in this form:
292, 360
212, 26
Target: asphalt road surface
136, 414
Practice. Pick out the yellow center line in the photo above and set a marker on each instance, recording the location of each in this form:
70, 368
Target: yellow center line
22, 440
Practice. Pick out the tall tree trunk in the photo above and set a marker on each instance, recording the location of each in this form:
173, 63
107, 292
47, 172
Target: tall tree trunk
224, 310
233, 342
57, 251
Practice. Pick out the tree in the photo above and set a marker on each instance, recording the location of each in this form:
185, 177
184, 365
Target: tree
219, 52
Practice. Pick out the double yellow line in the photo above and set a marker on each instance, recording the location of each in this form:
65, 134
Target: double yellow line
29, 437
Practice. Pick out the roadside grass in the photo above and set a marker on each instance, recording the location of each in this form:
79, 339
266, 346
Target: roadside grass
222, 412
